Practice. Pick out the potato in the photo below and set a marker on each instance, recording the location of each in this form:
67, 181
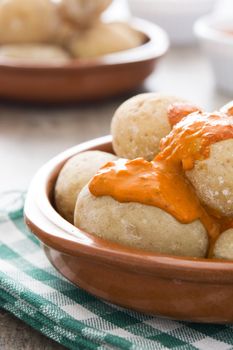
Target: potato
104, 38
140, 123
34, 53
82, 12
212, 178
74, 175
27, 21
224, 246
139, 226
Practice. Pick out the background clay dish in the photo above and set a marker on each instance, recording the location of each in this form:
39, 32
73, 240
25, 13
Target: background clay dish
185, 289
89, 79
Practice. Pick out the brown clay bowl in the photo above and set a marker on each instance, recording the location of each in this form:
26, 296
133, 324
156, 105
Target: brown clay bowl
185, 289
85, 80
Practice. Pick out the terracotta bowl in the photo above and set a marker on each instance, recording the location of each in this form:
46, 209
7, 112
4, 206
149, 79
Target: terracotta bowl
82, 80
180, 288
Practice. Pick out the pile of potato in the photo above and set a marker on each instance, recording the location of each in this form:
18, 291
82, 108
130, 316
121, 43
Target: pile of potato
138, 126
58, 30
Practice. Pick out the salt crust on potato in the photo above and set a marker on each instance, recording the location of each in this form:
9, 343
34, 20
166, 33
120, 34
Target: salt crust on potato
140, 226
75, 174
140, 123
212, 178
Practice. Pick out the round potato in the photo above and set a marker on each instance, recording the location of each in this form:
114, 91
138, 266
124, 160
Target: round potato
65, 33
82, 12
212, 178
224, 246
104, 38
34, 53
140, 123
139, 226
27, 21
75, 174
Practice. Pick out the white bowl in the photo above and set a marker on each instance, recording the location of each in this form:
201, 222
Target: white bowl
177, 17
218, 45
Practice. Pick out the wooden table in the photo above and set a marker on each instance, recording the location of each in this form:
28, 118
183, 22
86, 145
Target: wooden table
31, 135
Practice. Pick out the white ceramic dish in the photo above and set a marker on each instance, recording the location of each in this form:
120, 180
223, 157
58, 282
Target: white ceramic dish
218, 45
177, 17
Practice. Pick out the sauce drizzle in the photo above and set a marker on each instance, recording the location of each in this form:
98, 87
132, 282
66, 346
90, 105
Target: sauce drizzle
162, 182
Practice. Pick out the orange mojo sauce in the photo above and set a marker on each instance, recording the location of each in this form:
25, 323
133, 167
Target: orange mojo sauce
178, 111
162, 182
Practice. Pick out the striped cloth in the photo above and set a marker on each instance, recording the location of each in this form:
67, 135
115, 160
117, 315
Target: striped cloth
32, 290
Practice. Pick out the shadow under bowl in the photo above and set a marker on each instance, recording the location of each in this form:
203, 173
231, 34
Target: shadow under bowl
199, 290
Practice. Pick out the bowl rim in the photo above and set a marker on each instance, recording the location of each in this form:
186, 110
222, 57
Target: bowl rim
55, 232
155, 47
204, 29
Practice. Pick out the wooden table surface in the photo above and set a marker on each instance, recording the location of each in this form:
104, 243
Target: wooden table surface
31, 135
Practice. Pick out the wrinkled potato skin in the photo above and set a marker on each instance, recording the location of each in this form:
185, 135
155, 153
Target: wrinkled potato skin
139, 226
75, 174
212, 178
140, 123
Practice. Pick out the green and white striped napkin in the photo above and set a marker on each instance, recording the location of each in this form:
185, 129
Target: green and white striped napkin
32, 290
